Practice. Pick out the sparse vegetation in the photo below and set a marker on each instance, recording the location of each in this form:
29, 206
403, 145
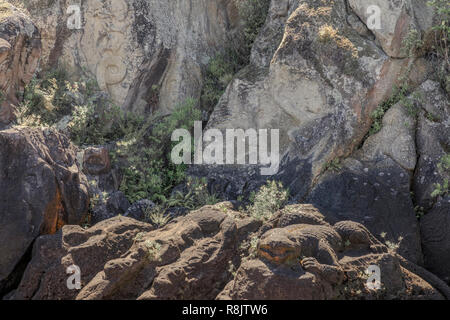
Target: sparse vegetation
442, 189
268, 200
149, 173
254, 13
412, 43
157, 216
153, 249
392, 246
91, 116
399, 94
441, 41
333, 165
196, 196
219, 73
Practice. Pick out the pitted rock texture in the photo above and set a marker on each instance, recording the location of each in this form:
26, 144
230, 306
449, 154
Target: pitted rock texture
193, 258
20, 49
41, 189
320, 261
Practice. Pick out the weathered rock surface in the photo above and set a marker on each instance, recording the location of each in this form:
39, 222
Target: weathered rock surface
373, 186
318, 80
395, 19
139, 51
191, 257
96, 161
320, 261
20, 48
433, 141
41, 189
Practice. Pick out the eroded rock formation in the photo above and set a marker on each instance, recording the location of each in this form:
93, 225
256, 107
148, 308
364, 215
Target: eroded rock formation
193, 258
20, 49
41, 189
133, 47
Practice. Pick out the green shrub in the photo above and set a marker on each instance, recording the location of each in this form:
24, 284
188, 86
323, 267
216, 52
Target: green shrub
157, 216
149, 172
441, 41
398, 94
441, 189
196, 196
268, 200
412, 43
219, 73
254, 13
99, 122
94, 118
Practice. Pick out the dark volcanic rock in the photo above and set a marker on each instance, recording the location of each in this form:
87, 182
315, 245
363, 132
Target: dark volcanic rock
41, 189
203, 256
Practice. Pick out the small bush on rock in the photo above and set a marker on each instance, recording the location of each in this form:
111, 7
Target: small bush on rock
268, 200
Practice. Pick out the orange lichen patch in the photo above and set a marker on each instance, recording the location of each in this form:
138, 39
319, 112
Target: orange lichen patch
54, 215
278, 255
5, 10
328, 33
312, 12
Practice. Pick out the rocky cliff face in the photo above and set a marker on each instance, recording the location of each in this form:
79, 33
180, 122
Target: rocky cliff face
131, 47
41, 188
363, 113
20, 48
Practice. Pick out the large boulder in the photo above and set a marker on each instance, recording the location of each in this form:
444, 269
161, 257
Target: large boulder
187, 259
317, 80
143, 53
41, 189
315, 260
373, 185
20, 48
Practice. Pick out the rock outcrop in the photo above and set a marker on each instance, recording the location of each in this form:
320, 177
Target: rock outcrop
318, 79
193, 257
20, 49
138, 49
391, 21
41, 189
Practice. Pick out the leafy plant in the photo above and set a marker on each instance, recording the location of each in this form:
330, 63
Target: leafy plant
149, 171
398, 94
441, 41
441, 189
156, 216
269, 199
196, 196
253, 13
333, 165
153, 249
412, 43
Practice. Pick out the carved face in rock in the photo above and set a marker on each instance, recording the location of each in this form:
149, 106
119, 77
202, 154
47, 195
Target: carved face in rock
107, 44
